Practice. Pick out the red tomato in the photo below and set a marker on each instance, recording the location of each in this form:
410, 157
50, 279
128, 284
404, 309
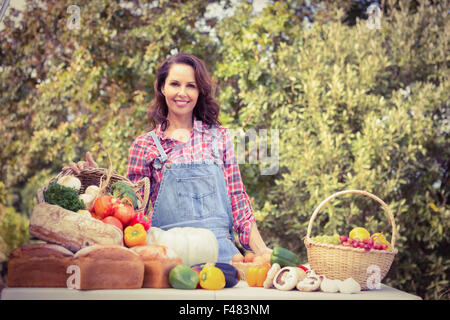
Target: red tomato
114, 221
125, 213
103, 206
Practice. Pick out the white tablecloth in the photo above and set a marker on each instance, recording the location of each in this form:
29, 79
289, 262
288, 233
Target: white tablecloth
240, 292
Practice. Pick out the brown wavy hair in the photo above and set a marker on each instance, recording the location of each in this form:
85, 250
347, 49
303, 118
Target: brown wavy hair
207, 109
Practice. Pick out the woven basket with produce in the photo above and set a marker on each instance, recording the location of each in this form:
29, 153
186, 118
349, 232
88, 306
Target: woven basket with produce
361, 256
75, 210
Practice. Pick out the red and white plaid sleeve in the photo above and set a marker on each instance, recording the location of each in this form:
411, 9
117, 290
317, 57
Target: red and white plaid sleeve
240, 202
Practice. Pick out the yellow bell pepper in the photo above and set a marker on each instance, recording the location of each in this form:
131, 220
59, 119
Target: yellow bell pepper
255, 276
211, 278
135, 235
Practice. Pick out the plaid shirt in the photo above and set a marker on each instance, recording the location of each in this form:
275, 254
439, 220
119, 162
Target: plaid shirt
143, 152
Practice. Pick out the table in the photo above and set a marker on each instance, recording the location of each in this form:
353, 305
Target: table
240, 292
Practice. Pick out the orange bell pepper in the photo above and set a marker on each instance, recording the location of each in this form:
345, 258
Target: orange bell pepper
256, 275
135, 235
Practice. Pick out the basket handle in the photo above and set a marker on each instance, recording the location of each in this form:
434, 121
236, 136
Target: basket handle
40, 192
364, 193
144, 182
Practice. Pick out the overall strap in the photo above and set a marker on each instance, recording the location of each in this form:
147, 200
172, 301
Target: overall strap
159, 161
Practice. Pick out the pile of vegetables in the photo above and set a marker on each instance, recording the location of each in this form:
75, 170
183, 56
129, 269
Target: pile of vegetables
284, 272
117, 208
207, 276
280, 269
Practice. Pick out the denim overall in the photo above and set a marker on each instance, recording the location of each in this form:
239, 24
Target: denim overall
194, 194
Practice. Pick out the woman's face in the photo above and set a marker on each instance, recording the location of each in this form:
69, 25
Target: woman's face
181, 91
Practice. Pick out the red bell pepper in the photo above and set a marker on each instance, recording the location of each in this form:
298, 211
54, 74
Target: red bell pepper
303, 268
142, 219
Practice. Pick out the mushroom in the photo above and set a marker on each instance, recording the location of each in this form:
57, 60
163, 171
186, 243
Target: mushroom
349, 285
329, 285
310, 283
287, 278
268, 283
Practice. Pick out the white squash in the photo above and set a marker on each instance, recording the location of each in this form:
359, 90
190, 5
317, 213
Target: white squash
192, 245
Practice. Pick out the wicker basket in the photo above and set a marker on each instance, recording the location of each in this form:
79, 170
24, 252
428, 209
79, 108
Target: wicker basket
338, 262
97, 176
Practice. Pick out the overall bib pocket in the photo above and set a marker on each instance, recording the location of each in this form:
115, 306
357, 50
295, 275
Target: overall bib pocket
196, 196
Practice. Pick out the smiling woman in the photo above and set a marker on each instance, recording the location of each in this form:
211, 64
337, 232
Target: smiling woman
189, 158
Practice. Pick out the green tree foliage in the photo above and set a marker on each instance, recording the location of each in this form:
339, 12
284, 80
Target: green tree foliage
356, 107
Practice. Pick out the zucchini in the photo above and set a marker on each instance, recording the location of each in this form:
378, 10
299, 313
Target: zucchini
284, 257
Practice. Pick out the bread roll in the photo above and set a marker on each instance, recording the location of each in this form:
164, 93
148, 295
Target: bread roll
158, 261
70, 229
109, 267
39, 265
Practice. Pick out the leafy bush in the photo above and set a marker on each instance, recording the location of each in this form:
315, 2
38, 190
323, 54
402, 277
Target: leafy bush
356, 108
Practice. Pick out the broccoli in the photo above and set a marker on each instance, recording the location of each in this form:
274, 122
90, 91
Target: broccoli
121, 190
64, 197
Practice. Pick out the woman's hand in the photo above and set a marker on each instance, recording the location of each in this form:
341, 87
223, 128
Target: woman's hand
257, 243
81, 165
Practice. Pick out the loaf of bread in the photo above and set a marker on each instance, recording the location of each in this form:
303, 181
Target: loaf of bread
39, 265
158, 261
71, 230
109, 267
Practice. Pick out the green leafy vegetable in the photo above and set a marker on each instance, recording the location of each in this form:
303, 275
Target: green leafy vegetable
64, 197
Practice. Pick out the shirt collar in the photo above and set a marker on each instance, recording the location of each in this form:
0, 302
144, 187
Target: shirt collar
198, 126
